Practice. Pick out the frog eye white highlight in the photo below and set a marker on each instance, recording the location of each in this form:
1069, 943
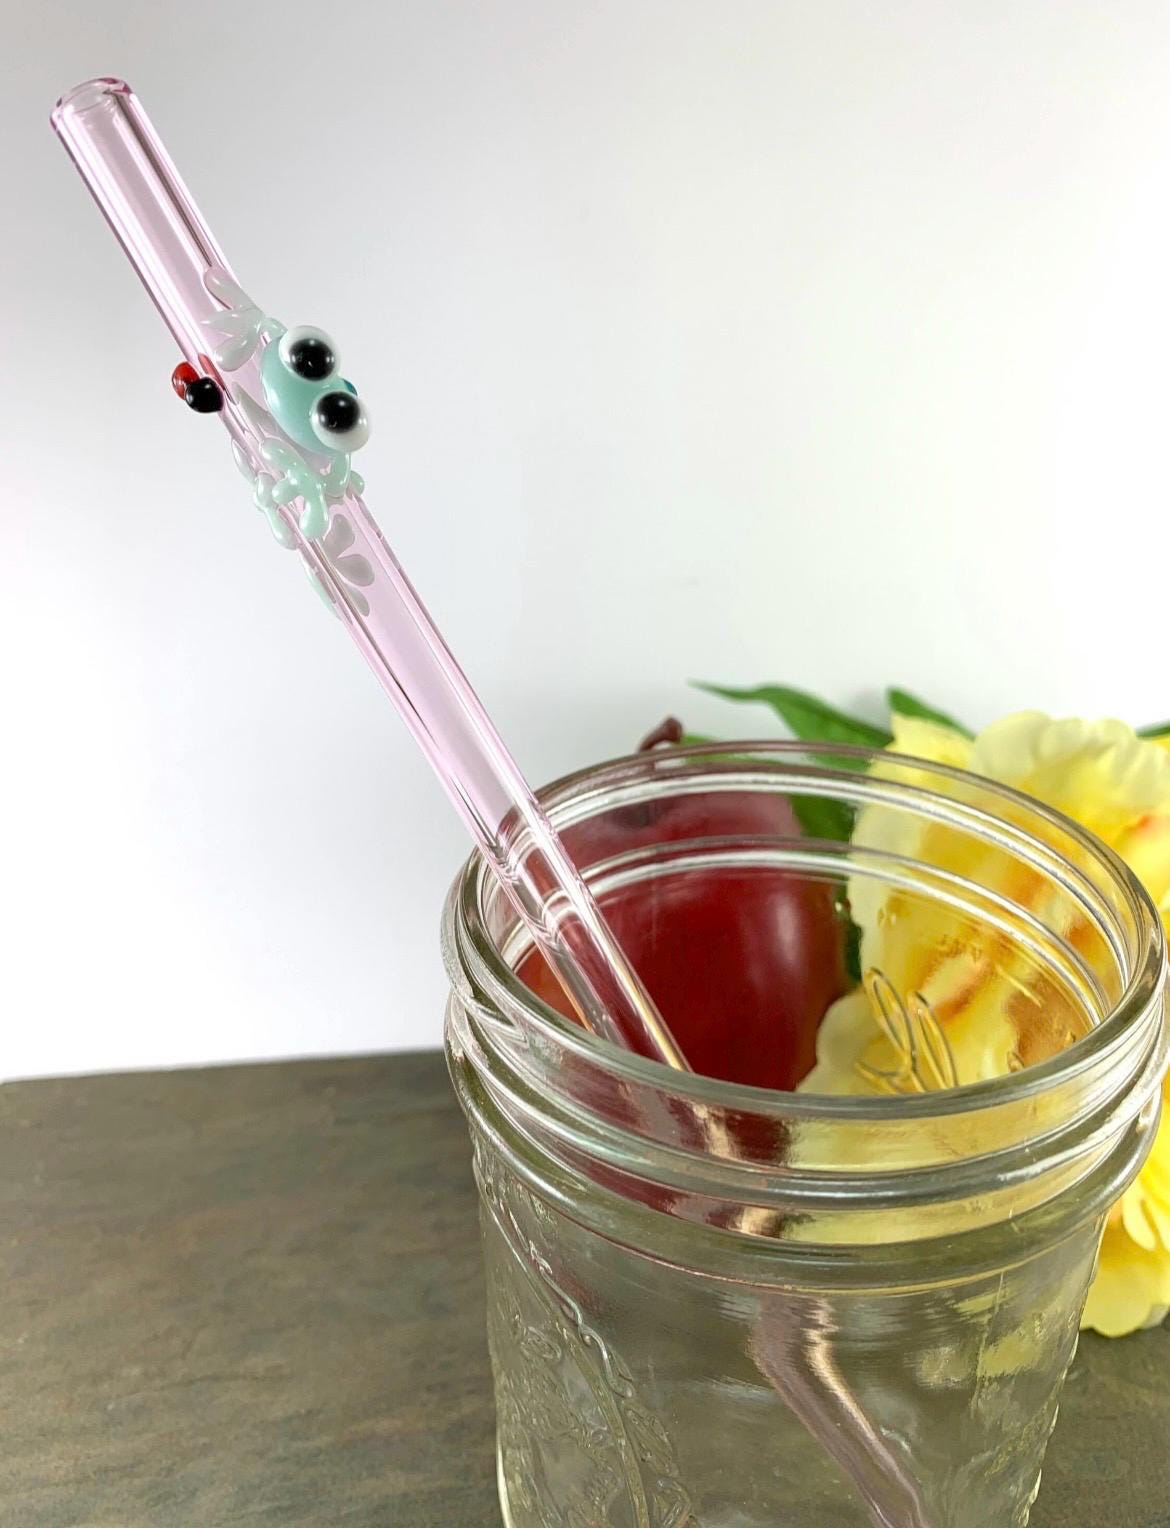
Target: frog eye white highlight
309, 353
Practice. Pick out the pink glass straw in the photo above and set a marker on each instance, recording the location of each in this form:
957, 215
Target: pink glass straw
122, 161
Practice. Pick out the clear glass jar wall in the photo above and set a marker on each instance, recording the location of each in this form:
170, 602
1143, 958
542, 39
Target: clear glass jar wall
717, 1305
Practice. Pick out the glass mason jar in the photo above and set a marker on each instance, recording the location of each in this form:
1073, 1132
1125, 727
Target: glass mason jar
720, 1305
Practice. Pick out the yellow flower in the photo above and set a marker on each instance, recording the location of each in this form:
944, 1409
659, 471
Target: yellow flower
971, 1010
1132, 1287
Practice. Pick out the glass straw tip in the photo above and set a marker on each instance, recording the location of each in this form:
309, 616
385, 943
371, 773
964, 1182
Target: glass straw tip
86, 96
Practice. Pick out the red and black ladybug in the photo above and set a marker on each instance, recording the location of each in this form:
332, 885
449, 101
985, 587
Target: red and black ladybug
203, 394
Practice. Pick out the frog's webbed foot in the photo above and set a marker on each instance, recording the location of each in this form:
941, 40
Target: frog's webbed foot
284, 456
240, 341
226, 289
277, 525
337, 478
314, 516
314, 521
263, 486
242, 324
298, 481
341, 479
283, 491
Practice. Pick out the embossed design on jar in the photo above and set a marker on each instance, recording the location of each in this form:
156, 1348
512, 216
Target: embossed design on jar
578, 1447
923, 1056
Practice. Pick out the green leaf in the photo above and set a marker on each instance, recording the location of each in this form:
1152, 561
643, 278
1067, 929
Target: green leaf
1155, 729
822, 817
806, 717
819, 816
689, 738
902, 703
850, 938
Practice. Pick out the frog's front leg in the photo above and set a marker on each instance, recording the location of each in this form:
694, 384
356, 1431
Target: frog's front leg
341, 479
337, 476
314, 516
298, 481
314, 521
266, 501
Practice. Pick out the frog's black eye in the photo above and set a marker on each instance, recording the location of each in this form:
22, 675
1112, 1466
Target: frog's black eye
339, 421
308, 353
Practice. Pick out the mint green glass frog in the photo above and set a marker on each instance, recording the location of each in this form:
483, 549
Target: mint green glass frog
307, 404
311, 402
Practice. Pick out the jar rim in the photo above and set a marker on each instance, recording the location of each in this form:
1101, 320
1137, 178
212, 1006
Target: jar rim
498, 978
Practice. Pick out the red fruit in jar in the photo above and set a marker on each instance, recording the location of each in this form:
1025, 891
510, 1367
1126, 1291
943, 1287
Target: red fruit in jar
742, 961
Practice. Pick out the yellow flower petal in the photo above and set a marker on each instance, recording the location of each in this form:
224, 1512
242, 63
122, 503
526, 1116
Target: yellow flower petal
1131, 1289
923, 739
982, 991
845, 1032
1008, 749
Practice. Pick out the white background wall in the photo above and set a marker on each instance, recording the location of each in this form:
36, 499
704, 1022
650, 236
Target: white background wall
819, 341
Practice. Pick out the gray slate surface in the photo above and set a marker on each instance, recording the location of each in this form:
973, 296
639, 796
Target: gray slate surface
252, 1295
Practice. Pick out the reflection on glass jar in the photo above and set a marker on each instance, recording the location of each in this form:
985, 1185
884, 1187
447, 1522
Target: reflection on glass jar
733, 1307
